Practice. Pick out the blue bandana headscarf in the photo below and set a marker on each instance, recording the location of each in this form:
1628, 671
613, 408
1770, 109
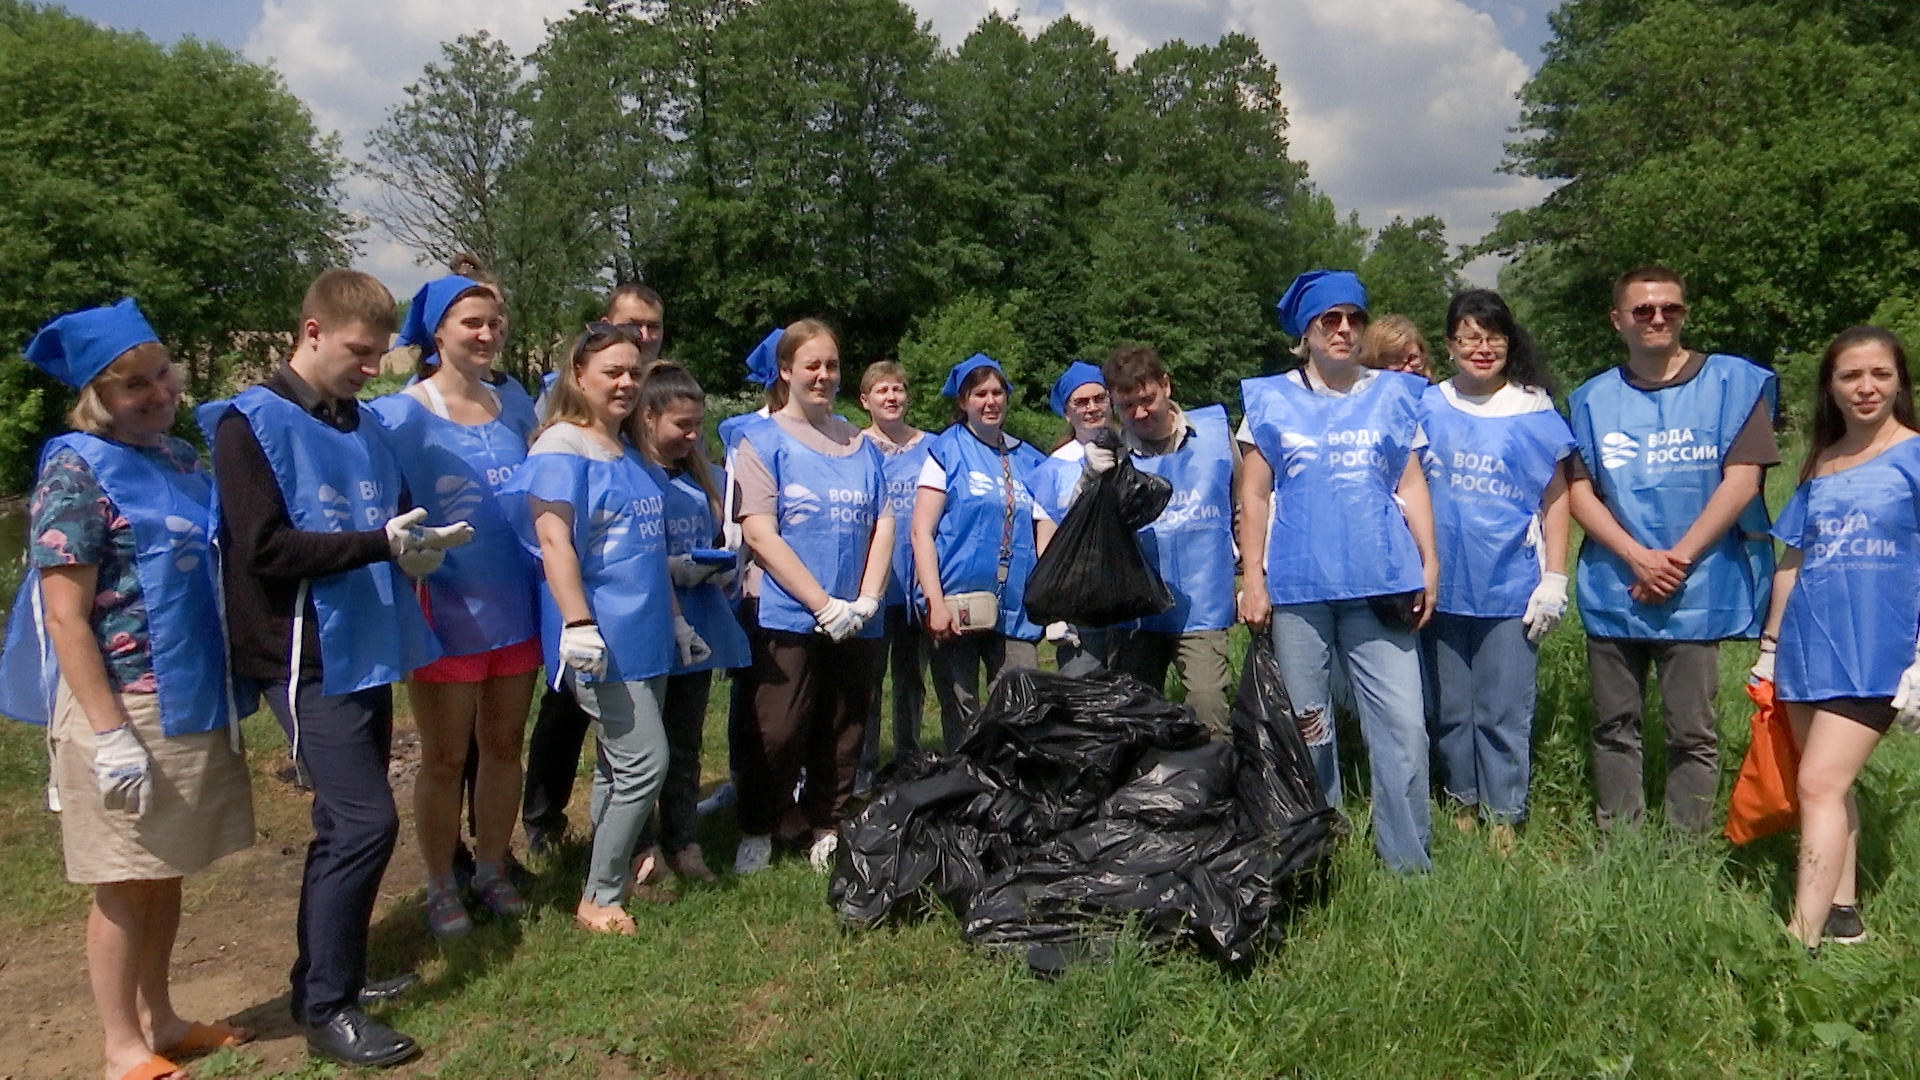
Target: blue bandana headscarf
80, 344
967, 367
1078, 374
429, 306
1314, 292
763, 363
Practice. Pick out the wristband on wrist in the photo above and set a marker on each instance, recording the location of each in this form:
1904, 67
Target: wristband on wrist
581, 622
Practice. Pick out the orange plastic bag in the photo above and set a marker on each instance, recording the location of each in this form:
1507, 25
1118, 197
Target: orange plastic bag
1764, 797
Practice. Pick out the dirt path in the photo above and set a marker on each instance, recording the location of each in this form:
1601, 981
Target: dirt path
235, 944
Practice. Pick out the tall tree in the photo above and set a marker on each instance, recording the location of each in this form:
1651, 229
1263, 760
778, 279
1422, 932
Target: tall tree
1768, 151
1408, 271
184, 176
442, 155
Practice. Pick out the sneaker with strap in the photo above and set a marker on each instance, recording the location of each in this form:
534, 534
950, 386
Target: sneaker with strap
1844, 926
446, 916
498, 893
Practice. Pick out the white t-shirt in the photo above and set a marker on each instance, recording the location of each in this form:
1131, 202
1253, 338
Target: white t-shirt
1509, 400
564, 438
933, 475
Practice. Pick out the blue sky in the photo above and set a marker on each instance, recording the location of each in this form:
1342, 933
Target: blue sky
1399, 107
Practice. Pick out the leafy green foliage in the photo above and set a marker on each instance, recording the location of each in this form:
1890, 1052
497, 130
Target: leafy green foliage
1409, 272
185, 176
970, 324
1767, 151
761, 162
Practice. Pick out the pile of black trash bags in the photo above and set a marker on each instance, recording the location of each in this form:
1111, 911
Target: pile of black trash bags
1075, 807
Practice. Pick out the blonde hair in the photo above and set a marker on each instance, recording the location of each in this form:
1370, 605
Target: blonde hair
795, 335
89, 413
567, 403
1389, 334
343, 297
880, 371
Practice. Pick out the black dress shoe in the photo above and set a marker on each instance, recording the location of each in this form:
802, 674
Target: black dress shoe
387, 989
354, 1038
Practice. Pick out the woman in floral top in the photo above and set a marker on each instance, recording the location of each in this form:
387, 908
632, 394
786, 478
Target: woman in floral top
148, 774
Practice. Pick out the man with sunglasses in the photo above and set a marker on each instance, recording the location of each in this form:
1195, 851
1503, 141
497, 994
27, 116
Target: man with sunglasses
1674, 446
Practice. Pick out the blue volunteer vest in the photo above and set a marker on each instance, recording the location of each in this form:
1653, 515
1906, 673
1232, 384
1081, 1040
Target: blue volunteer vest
371, 630
826, 511
170, 513
620, 538
483, 595
1488, 476
968, 540
903, 486
1337, 533
1850, 622
1053, 482
1191, 542
690, 525
1655, 460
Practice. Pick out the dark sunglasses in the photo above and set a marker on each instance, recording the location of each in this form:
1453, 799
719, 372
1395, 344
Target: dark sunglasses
601, 334
1643, 313
1330, 321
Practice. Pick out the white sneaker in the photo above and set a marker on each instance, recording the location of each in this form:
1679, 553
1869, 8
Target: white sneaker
754, 854
822, 853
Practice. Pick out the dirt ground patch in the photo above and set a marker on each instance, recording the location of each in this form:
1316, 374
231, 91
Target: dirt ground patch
235, 945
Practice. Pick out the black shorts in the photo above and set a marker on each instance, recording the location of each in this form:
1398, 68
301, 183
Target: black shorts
1873, 712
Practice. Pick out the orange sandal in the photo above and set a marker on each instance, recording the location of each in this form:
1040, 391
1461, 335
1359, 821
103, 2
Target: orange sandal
605, 920
212, 1036
153, 1068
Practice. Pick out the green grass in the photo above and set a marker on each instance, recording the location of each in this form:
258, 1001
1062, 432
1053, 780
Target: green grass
1644, 953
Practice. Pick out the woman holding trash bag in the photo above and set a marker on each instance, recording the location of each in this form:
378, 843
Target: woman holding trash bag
903, 447
1846, 605
1080, 397
1495, 467
1337, 534
974, 544
147, 771
672, 411
812, 492
594, 510
459, 440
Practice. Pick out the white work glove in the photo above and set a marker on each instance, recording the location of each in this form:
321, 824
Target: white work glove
866, 608
1546, 607
836, 619
404, 534
1906, 699
1099, 459
692, 647
723, 576
1061, 633
123, 770
444, 537
686, 573
584, 650
421, 562
1762, 669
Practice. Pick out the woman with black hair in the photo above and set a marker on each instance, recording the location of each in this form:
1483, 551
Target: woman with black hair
1495, 466
1846, 603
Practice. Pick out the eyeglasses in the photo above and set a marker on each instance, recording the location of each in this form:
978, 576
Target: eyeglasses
1643, 313
1496, 343
1329, 321
601, 334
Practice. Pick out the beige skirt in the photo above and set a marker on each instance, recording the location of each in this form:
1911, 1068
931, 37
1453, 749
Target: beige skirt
202, 800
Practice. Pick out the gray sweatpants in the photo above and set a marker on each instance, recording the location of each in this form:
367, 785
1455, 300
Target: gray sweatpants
630, 764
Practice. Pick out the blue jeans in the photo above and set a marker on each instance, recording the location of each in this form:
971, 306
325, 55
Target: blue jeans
1384, 667
1483, 732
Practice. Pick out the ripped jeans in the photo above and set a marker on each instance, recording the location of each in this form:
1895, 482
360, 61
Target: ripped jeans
1383, 666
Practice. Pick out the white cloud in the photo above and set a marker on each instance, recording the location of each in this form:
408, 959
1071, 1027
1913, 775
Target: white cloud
1397, 106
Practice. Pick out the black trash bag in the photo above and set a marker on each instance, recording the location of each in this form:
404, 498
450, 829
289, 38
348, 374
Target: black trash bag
1076, 808
1068, 743
1094, 572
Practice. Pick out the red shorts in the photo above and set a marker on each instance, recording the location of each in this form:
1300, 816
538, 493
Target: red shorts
515, 659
